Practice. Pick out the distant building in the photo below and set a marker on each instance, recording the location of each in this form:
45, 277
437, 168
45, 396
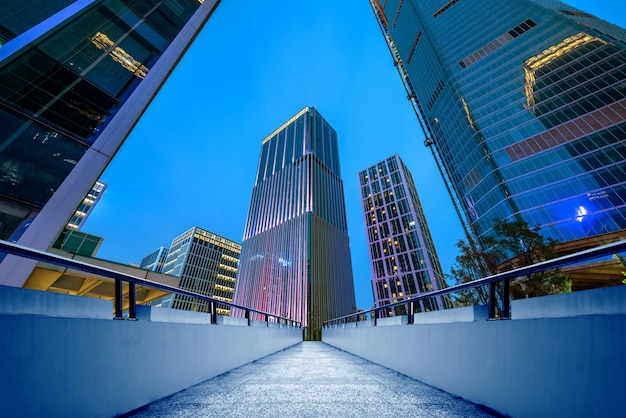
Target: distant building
523, 107
207, 264
85, 208
402, 253
295, 259
75, 76
155, 260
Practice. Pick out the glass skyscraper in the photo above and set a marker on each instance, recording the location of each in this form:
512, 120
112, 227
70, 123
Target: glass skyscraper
155, 260
86, 207
523, 104
74, 78
402, 253
295, 256
207, 264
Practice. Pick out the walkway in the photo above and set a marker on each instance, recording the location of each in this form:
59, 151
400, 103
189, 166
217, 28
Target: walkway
311, 379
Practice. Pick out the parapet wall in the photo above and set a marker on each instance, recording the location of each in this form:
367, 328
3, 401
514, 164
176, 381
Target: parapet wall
57, 365
567, 366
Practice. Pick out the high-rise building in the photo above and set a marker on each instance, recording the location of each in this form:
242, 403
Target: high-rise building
402, 252
84, 209
207, 264
155, 260
295, 257
523, 105
75, 76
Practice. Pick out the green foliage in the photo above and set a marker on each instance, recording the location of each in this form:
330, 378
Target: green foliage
472, 264
521, 246
621, 259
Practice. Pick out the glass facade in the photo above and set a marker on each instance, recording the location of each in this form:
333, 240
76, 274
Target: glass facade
525, 112
402, 253
85, 208
207, 264
295, 258
77, 242
155, 260
66, 69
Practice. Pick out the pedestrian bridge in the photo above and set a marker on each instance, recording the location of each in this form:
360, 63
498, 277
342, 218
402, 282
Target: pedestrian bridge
311, 379
63, 356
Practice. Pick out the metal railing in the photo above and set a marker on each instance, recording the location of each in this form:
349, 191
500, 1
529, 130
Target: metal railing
120, 278
505, 277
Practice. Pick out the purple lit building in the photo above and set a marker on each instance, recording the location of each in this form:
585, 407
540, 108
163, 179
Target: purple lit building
295, 257
402, 253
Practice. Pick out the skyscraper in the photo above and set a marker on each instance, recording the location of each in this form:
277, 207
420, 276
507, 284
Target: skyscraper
155, 260
523, 108
74, 78
295, 256
206, 263
89, 202
402, 253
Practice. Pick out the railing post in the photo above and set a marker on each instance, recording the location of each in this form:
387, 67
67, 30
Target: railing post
118, 302
247, 315
132, 300
506, 300
213, 312
410, 310
375, 317
492, 300
267, 320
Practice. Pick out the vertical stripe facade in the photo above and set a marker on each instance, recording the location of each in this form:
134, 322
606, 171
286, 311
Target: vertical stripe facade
295, 259
402, 252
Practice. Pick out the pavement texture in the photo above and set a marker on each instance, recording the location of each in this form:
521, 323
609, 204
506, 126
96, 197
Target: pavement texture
311, 379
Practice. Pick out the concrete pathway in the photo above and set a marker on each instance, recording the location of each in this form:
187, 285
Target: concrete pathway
311, 379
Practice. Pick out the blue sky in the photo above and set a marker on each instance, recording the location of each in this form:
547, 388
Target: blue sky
192, 158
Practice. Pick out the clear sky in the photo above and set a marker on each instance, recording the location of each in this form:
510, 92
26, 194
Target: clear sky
192, 158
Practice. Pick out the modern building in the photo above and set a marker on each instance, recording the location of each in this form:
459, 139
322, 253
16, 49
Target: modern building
295, 257
77, 242
75, 76
155, 260
523, 105
89, 202
402, 252
207, 264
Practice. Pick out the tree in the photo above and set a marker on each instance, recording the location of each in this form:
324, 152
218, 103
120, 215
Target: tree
512, 245
472, 264
621, 259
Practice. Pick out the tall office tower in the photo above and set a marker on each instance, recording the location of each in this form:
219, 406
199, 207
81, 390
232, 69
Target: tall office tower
206, 263
295, 257
75, 76
402, 253
86, 206
523, 106
155, 260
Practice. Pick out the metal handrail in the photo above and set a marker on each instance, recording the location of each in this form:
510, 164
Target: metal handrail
21, 251
566, 260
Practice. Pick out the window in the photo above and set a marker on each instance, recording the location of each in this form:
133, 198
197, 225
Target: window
445, 7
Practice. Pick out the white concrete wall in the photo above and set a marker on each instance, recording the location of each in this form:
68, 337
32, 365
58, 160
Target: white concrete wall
17, 301
88, 367
571, 366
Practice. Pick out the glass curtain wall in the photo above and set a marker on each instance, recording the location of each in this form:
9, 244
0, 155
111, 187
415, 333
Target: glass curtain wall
295, 257
526, 114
